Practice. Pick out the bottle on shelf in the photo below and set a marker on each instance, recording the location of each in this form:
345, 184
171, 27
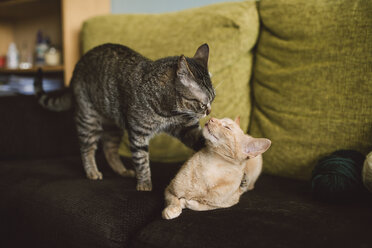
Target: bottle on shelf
12, 59
52, 57
40, 49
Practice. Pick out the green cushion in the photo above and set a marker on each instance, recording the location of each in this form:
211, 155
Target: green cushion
230, 29
312, 81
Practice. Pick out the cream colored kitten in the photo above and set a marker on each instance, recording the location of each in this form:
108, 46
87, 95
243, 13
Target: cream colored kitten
217, 175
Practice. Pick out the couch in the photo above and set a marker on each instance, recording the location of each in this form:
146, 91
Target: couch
309, 92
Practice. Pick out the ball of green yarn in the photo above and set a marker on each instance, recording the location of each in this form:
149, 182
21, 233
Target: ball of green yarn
337, 177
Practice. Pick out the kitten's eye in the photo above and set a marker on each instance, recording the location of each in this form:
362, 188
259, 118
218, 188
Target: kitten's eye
227, 127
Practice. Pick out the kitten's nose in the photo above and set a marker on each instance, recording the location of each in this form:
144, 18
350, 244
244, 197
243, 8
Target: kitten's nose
212, 120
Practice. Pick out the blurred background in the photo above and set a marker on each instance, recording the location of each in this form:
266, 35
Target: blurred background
45, 33
158, 6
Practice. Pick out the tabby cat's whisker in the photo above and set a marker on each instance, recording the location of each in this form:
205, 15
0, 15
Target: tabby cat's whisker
218, 85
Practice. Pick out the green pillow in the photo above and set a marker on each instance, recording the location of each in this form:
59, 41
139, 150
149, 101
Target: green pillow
230, 29
312, 82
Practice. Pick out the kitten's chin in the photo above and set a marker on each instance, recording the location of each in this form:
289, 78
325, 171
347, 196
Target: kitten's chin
209, 136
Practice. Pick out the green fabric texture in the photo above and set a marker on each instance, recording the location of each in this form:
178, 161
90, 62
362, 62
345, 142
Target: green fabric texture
312, 82
230, 29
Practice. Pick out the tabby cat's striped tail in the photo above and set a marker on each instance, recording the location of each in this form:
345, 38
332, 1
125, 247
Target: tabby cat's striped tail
59, 102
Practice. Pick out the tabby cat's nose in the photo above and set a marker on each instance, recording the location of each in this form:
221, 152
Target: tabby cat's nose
208, 110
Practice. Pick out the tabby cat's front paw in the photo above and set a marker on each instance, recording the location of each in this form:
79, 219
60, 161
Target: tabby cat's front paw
171, 212
94, 175
144, 186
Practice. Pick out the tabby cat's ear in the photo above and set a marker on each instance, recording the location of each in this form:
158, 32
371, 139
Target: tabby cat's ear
202, 54
183, 68
253, 147
185, 75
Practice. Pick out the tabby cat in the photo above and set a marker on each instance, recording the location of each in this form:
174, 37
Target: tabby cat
115, 88
217, 175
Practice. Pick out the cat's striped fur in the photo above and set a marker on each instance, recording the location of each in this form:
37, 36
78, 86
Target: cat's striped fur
115, 88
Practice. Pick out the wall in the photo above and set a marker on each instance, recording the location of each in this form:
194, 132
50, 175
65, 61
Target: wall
158, 6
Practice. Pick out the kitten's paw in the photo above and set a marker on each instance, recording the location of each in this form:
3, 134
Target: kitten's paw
251, 187
144, 186
127, 173
171, 212
94, 175
192, 204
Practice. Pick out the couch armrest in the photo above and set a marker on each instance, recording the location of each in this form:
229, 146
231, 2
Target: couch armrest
29, 131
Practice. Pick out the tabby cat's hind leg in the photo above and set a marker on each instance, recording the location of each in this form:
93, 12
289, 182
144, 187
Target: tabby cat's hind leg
89, 131
111, 142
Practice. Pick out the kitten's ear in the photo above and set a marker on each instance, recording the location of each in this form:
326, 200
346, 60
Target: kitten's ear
237, 120
202, 54
253, 147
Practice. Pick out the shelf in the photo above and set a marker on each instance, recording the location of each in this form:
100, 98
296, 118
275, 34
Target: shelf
26, 8
58, 68
61, 20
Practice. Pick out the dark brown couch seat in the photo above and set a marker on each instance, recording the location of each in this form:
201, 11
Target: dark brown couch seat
46, 201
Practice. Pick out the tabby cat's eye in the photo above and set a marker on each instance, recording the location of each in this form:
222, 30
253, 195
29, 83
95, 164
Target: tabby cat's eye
203, 106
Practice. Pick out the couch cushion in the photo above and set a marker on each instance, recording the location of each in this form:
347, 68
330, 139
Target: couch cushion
230, 29
279, 212
312, 81
50, 203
